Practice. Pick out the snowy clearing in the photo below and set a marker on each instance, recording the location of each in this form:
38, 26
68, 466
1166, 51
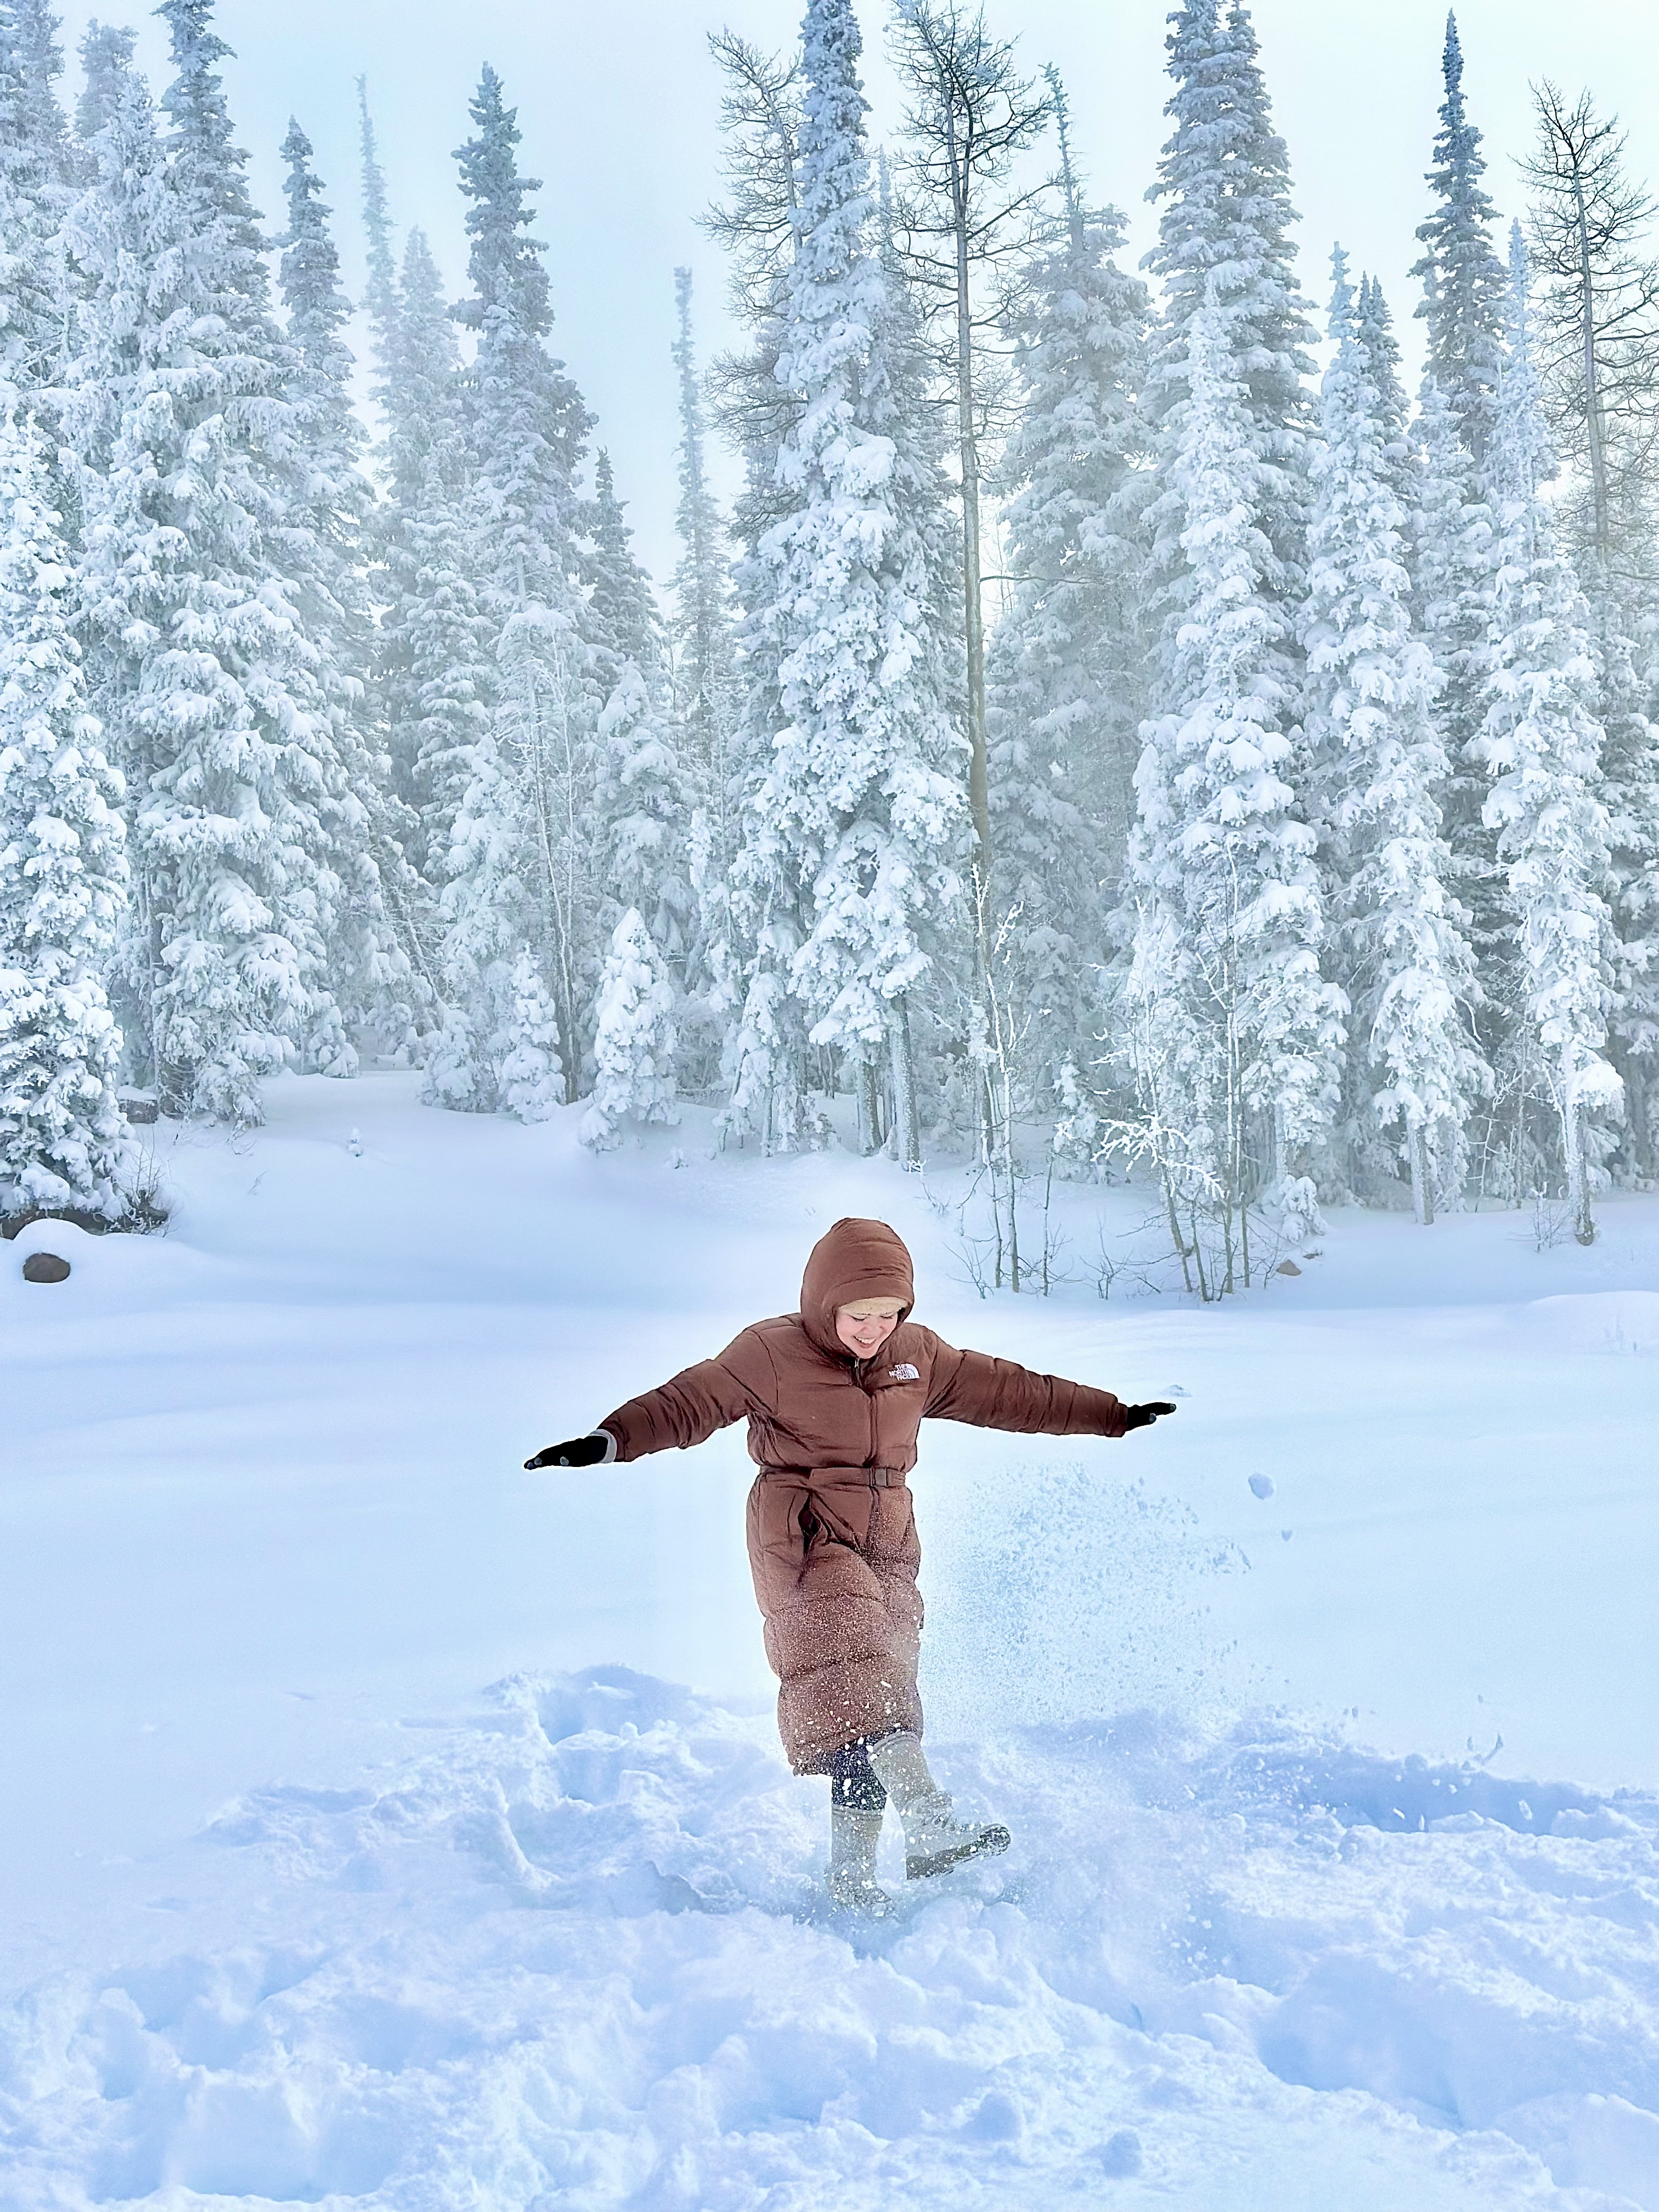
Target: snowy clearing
365, 1848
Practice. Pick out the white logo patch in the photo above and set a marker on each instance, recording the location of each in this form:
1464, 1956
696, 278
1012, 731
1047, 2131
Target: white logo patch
905, 1373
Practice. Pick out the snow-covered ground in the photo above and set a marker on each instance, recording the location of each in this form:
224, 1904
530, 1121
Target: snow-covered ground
361, 1844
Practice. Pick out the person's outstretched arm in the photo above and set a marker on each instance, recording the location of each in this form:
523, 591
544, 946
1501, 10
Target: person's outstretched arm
683, 1411
998, 1394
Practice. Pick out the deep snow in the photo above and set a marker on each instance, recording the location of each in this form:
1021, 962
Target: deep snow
300, 1911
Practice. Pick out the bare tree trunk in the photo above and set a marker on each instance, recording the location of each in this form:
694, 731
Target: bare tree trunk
1422, 1182
906, 1122
1593, 423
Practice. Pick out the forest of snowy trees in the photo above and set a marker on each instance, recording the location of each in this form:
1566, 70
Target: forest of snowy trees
1094, 743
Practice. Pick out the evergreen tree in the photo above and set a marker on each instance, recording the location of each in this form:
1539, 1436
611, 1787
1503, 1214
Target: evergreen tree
702, 587
1455, 563
1378, 761
531, 1083
106, 54
1065, 676
623, 620
319, 540
520, 855
633, 1039
861, 793
752, 907
1225, 974
381, 291
208, 682
1224, 251
643, 809
62, 875
436, 645
1540, 745
35, 174
1463, 282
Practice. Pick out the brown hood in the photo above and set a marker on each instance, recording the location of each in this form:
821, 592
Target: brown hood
855, 1259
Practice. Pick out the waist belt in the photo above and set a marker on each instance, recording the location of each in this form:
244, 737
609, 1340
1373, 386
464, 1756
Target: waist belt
871, 1478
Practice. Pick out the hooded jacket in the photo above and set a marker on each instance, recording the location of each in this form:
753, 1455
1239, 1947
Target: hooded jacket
812, 1404
831, 1523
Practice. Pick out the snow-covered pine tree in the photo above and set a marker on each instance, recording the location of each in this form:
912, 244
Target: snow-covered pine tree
1454, 564
521, 857
62, 875
1064, 677
320, 539
864, 790
531, 1078
1224, 249
1225, 976
1374, 332
1541, 745
35, 190
1463, 306
623, 619
751, 904
380, 287
701, 583
643, 808
105, 55
1378, 763
634, 1040
1463, 282
436, 647
207, 683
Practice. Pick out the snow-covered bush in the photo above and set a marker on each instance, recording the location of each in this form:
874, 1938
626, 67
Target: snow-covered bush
633, 1047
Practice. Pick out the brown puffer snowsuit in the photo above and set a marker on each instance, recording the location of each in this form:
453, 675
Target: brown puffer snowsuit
832, 1528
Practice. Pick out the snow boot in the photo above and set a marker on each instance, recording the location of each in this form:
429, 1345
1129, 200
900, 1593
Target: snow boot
934, 1839
854, 1835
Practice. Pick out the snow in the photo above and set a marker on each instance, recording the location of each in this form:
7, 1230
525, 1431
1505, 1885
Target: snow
377, 1854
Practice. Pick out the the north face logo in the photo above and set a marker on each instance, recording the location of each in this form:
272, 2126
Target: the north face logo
905, 1373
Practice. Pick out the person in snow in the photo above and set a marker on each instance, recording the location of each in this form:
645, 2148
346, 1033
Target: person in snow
833, 1396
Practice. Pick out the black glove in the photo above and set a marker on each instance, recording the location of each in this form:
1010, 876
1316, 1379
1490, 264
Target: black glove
1142, 1417
578, 1451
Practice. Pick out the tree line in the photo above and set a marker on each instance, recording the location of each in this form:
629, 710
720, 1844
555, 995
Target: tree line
1093, 741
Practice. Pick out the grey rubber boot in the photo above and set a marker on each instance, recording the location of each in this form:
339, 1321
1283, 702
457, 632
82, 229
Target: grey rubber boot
934, 1839
854, 1835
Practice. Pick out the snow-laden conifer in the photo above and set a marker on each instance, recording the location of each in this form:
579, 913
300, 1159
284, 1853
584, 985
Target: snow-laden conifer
532, 1073
1226, 973
1378, 764
623, 623
1066, 683
35, 190
1540, 745
702, 581
1224, 251
62, 874
435, 663
633, 1039
643, 808
207, 681
862, 791
1463, 282
519, 859
320, 542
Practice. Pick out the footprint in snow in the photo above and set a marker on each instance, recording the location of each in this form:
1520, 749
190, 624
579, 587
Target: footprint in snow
1262, 1486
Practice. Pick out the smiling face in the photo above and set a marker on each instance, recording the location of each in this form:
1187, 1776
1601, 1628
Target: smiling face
866, 1325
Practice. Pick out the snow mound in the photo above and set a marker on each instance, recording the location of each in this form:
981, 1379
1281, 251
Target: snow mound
1597, 1320
574, 1952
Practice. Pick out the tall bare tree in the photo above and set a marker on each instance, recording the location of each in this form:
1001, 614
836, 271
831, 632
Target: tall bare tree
965, 212
1598, 314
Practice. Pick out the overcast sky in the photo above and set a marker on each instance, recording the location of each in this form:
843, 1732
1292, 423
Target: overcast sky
618, 105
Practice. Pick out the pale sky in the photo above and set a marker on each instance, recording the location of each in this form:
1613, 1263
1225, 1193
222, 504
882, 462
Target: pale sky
618, 105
